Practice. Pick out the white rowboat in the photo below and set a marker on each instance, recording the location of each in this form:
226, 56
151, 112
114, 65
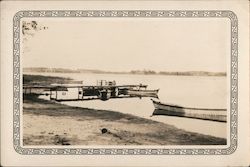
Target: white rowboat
200, 113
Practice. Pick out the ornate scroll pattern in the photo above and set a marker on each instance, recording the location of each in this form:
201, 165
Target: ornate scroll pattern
126, 13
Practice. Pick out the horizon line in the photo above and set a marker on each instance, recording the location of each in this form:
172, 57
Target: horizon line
141, 70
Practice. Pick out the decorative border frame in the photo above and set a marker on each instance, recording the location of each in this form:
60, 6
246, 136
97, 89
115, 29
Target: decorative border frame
126, 14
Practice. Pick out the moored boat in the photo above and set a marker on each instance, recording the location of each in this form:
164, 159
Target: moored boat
200, 113
144, 93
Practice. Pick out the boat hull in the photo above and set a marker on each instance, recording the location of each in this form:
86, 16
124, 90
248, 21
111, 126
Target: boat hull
143, 93
199, 113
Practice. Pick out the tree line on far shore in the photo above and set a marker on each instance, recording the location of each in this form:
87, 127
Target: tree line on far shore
142, 72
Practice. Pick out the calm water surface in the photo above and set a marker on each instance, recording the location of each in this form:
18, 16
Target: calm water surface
188, 91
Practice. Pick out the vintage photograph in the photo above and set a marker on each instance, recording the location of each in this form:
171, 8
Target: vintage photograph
124, 81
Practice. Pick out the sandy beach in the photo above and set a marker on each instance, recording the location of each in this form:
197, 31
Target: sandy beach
49, 123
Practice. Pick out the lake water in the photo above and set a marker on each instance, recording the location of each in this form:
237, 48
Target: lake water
188, 91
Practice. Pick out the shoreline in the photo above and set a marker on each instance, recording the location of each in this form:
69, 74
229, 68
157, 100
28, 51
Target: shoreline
50, 123
128, 73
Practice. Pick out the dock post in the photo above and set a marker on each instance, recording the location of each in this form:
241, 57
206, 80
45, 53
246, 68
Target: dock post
79, 93
82, 93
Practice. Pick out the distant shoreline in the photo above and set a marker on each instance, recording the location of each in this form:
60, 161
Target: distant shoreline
133, 72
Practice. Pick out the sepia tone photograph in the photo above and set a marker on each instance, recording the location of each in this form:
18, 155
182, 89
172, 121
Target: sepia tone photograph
124, 81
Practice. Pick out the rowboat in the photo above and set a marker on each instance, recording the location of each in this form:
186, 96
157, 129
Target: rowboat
143, 93
199, 113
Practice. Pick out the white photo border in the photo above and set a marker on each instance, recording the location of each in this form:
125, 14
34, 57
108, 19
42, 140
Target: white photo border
17, 77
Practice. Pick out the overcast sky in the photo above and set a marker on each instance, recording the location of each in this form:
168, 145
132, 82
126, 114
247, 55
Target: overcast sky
124, 44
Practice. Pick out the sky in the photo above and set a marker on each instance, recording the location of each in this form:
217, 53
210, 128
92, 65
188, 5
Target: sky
125, 44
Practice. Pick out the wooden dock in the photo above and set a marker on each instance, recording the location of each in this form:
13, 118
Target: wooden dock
90, 92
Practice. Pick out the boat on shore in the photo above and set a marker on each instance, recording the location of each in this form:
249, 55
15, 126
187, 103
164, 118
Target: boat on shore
199, 113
